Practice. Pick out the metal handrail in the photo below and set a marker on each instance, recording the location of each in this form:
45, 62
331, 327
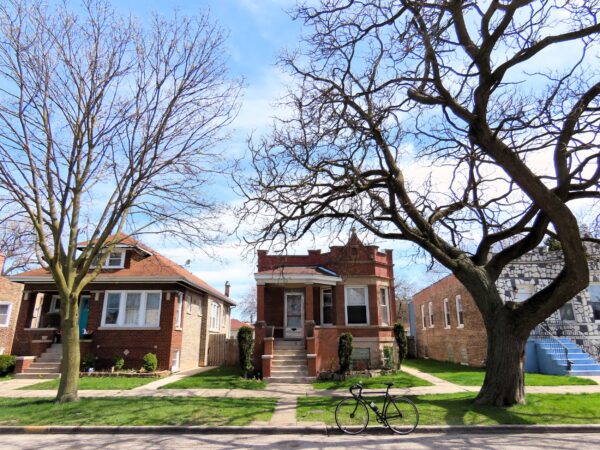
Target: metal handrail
543, 333
571, 330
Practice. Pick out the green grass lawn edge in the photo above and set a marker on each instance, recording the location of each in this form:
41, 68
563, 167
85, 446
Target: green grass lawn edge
400, 380
95, 383
217, 378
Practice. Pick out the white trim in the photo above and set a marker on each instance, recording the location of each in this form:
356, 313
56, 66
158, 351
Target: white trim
423, 319
121, 314
8, 311
118, 328
291, 334
386, 298
107, 266
457, 300
311, 355
447, 324
176, 363
179, 311
430, 311
296, 278
218, 317
321, 291
366, 290
267, 356
53, 301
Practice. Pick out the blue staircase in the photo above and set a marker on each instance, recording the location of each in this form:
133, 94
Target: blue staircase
552, 357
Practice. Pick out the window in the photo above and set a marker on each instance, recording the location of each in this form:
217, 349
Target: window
4, 314
189, 304
430, 315
175, 362
115, 260
326, 306
523, 292
215, 316
357, 312
179, 310
131, 309
54, 304
423, 321
446, 314
384, 306
566, 312
460, 317
594, 302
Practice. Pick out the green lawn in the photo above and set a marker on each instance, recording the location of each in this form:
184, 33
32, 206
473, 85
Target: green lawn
473, 376
218, 378
103, 383
217, 411
400, 380
458, 409
8, 376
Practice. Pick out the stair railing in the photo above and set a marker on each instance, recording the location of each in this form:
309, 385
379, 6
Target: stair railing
543, 333
589, 342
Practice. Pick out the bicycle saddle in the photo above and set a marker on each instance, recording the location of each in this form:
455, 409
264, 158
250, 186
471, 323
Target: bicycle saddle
389, 384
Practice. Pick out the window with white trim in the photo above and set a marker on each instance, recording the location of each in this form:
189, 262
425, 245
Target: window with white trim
131, 309
594, 290
423, 320
215, 316
179, 310
430, 314
566, 312
446, 314
189, 303
384, 306
523, 292
327, 306
54, 304
357, 306
115, 260
176, 360
5, 313
460, 315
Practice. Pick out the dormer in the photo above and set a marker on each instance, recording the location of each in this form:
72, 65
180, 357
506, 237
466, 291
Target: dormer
123, 252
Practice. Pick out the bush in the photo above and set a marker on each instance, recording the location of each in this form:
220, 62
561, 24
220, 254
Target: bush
7, 363
400, 336
345, 352
246, 347
388, 357
88, 362
150, 362
119, 362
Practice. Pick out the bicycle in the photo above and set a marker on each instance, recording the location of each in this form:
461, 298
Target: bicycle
399, 414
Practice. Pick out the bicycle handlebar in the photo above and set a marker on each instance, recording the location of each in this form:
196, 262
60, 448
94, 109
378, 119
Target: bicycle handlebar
356, 386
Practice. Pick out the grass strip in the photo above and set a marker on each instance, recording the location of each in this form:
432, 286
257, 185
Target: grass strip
100, 383
218, 378
400, 380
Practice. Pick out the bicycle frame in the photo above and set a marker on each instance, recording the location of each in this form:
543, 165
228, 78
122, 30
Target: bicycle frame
359, 398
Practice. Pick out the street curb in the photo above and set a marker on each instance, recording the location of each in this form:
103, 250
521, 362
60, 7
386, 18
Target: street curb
323, 430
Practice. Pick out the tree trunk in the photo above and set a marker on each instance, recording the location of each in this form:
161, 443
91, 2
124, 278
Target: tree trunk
504, 383
69, 373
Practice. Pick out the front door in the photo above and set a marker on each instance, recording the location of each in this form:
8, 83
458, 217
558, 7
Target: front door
294, 315
84, 313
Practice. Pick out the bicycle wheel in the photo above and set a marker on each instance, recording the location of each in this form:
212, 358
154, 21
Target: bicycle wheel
351, 416
401, 415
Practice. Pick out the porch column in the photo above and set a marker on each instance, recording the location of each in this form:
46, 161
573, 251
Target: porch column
260, 302
309, 303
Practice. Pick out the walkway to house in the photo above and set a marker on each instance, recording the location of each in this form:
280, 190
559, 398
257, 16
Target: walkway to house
287, 394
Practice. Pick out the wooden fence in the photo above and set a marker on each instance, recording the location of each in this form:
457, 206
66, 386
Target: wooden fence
222, 351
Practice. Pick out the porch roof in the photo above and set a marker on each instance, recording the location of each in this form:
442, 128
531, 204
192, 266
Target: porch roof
298, 275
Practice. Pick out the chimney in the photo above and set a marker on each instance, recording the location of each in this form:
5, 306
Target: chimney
227, 286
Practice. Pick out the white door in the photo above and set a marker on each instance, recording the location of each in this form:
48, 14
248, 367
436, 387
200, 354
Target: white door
294, 315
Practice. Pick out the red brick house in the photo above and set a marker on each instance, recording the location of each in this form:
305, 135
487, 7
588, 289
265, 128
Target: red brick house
10, 300
141, 303
304, 303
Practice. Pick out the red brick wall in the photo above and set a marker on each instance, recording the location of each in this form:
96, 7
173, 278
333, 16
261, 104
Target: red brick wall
467, 345
9, 293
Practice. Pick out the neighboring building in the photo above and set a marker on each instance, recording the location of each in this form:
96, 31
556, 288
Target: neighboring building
10, 300
305, 302
236, 325
450, 328
140, 303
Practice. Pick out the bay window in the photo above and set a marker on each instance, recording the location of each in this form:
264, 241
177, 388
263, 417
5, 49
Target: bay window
131, 309
357, 306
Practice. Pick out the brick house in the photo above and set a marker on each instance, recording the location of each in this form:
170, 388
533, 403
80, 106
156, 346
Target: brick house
140, 303
10, 300
449, 326
304, 303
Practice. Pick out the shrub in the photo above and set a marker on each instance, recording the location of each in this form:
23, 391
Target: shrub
345, 352
400, 336
150, 362
119, 362
246, 347
88, 362
7, 363
388, 357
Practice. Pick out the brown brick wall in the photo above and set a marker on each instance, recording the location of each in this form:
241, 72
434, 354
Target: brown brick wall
10, 293
466, 345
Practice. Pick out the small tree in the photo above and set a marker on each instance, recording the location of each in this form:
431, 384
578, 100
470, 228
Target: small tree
345, 352
246, 347
400, 336
150, 362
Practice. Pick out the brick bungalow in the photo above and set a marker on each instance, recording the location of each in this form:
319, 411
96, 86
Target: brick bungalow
140, 303
304, 303
10, 300
449, 327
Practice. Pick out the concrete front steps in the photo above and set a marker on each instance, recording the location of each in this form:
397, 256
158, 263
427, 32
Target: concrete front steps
582, 364
45, 366
289, 363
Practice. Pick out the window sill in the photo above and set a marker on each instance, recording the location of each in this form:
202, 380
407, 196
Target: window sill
357, 325
447, 327
120, 328
178, 329
460, 326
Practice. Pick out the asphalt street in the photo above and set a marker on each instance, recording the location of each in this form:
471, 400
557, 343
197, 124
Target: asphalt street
547, 441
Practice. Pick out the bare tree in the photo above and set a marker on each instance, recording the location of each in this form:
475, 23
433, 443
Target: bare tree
464, 89
107, 125
247, 305
18, 245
